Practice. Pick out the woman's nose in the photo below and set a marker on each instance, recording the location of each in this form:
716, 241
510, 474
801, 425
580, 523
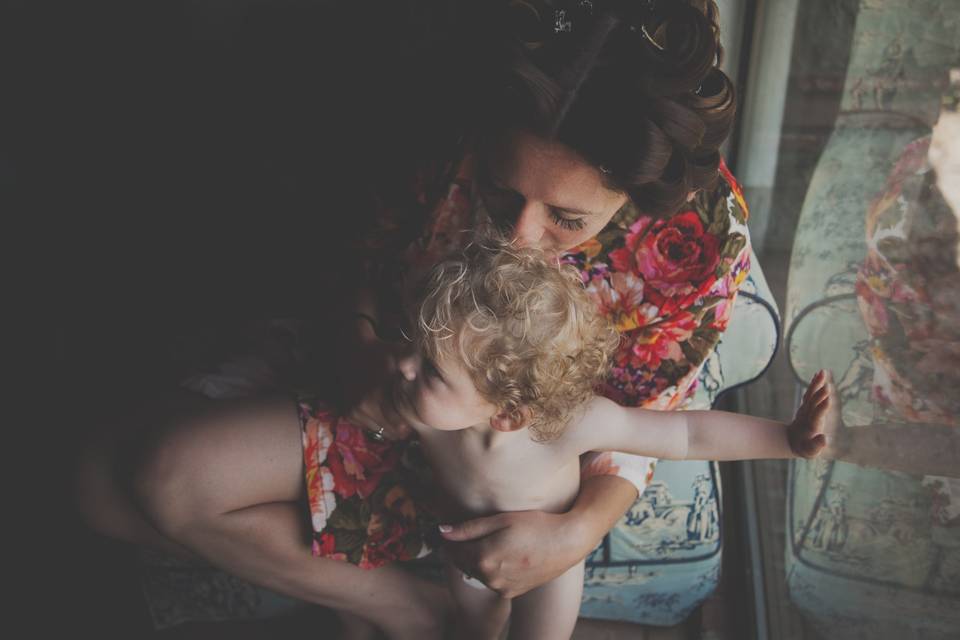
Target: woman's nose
409, 365
529, 228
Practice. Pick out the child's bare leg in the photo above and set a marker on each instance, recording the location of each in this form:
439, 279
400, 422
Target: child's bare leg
481, 612
550, 611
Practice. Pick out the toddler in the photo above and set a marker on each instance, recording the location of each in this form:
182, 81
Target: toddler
500, 388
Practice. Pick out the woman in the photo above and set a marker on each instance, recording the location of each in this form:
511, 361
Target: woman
595, 136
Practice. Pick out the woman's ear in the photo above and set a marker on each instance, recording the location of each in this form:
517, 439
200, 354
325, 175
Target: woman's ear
505, 420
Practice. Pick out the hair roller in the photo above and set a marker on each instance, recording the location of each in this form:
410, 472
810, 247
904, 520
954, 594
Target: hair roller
653, 150
702, 168
681, 124
715, 106
689, 48
667, 194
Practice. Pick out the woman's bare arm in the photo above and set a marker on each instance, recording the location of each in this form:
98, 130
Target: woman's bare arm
226, 483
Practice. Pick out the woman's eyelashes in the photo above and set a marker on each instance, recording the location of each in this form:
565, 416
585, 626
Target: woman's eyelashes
570, 224
504, 198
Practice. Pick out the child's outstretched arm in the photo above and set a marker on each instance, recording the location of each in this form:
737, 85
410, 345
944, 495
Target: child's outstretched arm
714, 435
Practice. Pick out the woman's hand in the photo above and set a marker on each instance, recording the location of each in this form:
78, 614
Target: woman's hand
515, 552
373, 407
368, 379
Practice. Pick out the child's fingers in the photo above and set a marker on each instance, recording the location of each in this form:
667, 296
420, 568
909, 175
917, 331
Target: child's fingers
811, 402
815, 384
812, 385
822, 394
820, 380
818, 410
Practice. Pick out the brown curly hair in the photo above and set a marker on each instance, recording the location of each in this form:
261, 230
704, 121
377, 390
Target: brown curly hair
521, 325
634, 87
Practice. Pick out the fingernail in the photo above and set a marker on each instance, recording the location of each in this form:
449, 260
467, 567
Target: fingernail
445, 528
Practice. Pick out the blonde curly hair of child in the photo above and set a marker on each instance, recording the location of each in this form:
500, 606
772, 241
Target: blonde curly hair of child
523, 328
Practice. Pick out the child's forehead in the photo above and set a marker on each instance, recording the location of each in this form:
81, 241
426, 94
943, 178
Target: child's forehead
447, 357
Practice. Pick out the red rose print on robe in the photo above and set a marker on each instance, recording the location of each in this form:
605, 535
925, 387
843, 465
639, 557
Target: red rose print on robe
651, 347
675, 257
326, 545
357, 462
386, 542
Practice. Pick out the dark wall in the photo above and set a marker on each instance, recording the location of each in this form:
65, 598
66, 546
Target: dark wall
185, 166
170, 172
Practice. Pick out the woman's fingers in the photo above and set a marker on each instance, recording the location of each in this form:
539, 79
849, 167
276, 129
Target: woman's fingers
376, 412
473, 529
473, 555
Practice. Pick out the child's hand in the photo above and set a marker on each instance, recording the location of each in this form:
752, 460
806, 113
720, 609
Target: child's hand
818, 419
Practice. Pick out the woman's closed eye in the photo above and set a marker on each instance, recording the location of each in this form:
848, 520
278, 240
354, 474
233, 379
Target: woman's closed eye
570, 224
505, 202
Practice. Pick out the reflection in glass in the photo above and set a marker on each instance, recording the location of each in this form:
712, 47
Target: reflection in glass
873, 539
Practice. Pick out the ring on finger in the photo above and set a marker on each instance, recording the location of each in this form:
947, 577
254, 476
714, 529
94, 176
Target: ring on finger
376, 434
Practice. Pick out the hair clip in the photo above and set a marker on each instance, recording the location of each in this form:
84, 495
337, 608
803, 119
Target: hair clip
646, 34
560, 22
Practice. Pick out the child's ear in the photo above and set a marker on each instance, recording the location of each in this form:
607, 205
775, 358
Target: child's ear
505, 420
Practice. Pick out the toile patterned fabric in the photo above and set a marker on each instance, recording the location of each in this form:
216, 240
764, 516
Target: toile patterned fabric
662, 559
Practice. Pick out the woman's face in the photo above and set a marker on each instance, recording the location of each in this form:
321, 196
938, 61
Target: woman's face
544, 193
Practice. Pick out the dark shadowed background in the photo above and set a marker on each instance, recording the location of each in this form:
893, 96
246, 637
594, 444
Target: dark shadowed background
173, 171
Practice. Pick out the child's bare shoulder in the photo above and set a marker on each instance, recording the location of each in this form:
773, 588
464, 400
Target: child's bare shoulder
601, 408
595, 412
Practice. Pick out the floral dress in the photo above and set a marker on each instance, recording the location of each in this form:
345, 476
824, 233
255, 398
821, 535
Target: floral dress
667, 284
